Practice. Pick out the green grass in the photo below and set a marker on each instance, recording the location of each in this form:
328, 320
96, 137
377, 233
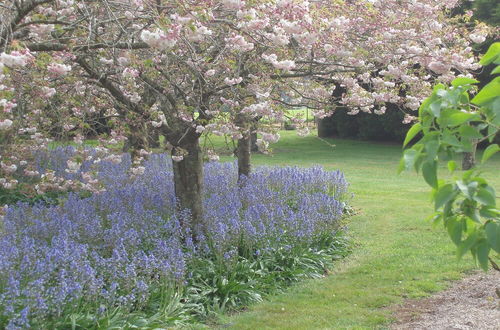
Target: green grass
397, 254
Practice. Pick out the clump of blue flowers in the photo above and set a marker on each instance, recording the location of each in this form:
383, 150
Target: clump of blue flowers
126, 256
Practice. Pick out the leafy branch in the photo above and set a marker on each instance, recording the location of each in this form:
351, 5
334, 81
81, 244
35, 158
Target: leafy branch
450, 123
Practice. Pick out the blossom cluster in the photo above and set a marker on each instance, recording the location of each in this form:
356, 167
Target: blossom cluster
116, 248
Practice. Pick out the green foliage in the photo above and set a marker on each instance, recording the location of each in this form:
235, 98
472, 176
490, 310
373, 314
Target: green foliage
217, 286
487, 11
166, 307
10, 197
451, 124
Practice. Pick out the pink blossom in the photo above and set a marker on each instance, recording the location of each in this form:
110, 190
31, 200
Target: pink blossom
5, 124
210, 73
477, 38
380, 111
48, 92
234, 81
408, 119
138, 170
303, 131
130, 73
439, 67
59, 69
42, 30
239, 43
123, 61
233, 4
199, 34
7, 105
271, 138
15, 59
284, 65
158, 39
262, 145
8, 168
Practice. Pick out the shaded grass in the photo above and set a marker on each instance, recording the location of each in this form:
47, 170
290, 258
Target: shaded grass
397, 255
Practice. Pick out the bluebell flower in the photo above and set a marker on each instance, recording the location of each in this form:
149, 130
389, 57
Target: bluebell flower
115, 248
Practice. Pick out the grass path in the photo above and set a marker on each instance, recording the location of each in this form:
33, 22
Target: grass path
397, 254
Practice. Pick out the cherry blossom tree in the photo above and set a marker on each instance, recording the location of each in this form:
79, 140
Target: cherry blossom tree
186, 68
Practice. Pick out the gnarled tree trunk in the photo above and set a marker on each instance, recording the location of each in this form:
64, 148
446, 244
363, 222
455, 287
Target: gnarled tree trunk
188, 181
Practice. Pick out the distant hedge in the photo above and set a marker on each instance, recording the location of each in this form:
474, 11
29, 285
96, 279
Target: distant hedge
368, 126
365, 126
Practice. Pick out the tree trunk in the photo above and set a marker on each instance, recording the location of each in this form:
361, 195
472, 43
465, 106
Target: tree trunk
188, 181
244, 148
253, 134
243, 152
469, 159
253, 142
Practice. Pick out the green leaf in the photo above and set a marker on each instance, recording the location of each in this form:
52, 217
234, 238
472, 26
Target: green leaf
469, 132
450, 139
488, 92
460, 81
467, 244
496, 70
429, 171
425, 105
465, 146
491, 55
455, 229
409, 157
489, 212
438, 87
492, 131
468, 189
485, 197
435, 108
414, 130
492, 230
452, 165
401, 166
459, 117
444, 194
435, 218
431, 148
483, 250
490, 151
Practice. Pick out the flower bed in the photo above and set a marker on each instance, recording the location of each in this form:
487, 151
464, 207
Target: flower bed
125, 257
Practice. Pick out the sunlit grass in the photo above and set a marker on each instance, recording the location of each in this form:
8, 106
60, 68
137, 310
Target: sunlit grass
397, 255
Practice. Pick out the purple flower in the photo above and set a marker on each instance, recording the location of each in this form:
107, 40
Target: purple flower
116, 248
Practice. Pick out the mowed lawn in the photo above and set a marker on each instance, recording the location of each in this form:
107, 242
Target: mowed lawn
396, 253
